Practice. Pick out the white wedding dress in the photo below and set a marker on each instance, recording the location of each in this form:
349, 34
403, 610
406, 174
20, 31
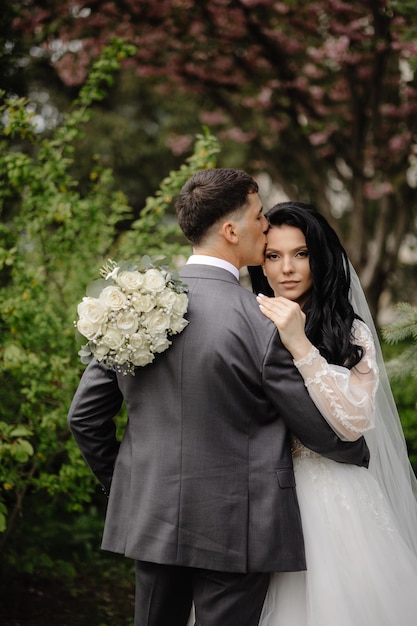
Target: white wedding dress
360, 570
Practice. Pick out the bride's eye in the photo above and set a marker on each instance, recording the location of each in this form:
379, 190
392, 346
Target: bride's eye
303, 253
271, 256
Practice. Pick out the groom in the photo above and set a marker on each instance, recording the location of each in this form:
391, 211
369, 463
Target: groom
201, 491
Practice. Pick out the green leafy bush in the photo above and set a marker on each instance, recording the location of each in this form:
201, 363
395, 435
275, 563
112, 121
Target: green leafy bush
53, 240
401, 360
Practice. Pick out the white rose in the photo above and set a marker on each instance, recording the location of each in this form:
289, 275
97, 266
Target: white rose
100, 351
112, 338
138, 340
181, 303
178, 323
127, 322
153, 280
166, 299
143, 303
157, 321
160, 343
92, 309
142, 357
130, 281
121, 357
113, 297
88, 329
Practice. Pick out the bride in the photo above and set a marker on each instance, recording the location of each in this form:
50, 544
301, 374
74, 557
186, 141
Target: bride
360, 526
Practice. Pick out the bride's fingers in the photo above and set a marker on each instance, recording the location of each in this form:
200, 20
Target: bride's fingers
268, 303
285, 314
278, 305
278, 317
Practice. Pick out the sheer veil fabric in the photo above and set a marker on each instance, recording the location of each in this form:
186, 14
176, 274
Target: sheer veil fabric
389, 463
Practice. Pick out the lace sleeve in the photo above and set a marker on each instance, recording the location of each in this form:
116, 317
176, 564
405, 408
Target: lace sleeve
346, 398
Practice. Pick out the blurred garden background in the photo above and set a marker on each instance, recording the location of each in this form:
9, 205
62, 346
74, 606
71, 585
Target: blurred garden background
106, 109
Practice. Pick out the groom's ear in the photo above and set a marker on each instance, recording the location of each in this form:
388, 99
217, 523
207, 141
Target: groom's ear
229, 231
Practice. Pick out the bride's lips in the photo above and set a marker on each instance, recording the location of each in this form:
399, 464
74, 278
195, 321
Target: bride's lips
290, 283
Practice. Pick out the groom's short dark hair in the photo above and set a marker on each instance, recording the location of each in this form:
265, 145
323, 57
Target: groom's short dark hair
208, 196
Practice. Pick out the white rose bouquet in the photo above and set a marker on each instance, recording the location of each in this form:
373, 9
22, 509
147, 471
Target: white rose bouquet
129, 314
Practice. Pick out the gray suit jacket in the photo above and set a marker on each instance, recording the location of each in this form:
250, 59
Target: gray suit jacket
204, 474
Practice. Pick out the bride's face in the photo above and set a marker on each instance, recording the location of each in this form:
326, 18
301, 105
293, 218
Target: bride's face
287, 263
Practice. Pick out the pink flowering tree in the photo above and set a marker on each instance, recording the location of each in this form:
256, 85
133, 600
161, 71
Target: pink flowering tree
324, 91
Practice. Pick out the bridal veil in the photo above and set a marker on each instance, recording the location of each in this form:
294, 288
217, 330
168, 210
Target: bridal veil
389, 462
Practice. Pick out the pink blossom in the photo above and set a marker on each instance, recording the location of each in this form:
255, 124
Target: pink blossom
213, 118
277, 125
398, 143
336, 49
281, 8
180, 144
237, 134
264, 97
318, 138
374, 190
73, 68
312, 71
254, 3
317, 92
389, 110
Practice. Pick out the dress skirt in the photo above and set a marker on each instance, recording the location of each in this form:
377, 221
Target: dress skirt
360, 571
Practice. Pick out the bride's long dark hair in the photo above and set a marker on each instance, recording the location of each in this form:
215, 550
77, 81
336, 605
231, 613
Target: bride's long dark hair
329, 313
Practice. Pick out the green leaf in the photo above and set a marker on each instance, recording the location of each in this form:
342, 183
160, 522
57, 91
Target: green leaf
85, 354
79, 338
85, 350
145, 263
95, 288
13, 355
21, 431
21, 450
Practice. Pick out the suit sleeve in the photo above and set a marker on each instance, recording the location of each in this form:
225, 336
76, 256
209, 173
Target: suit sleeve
90, 418
285, 387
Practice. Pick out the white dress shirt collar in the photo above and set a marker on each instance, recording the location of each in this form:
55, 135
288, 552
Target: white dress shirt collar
203, 259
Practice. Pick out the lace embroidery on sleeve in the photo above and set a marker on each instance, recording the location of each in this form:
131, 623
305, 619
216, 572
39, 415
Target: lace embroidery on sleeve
344, 397
308, 359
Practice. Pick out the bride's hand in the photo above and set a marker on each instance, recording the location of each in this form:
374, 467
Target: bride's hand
290, 321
